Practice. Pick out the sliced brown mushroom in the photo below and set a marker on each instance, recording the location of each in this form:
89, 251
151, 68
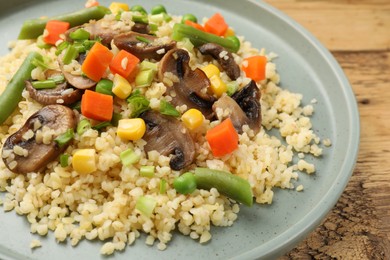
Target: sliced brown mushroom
63, 93
167, 135
143, 46
77, 81
102, 29
190, 87
243, 108
23, 152
224, 58
141, 28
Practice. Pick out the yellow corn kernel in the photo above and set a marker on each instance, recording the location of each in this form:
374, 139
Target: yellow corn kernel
116, 7
229, 32
192, 118
84, 161
218, 87
121, 87
211, 70
131, 128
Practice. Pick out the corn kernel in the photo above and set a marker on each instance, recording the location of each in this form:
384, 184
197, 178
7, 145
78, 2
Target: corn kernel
131, 128
116, 7
121, 87
192, 118
229, 32
84, 161
218, 87
211, 70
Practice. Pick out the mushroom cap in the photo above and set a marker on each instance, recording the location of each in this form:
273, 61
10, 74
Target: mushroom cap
55, 117
143, 46
243, 107
190, 87
167, 135
77, 81
57, 95
224, 58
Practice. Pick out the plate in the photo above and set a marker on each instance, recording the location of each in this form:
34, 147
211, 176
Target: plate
263, 231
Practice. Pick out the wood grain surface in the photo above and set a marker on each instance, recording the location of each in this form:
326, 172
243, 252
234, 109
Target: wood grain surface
357, 32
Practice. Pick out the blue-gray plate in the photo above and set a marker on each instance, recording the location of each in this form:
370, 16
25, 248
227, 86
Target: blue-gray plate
262, 231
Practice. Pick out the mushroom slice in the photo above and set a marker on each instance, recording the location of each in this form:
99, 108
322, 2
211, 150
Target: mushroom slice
26, 151
190, 87
143, 46
167, 135
101, 29
141, 28
61, 94
224, 58
243, 108
77, 81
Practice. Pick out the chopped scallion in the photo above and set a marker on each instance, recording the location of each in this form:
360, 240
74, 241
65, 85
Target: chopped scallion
140, 19
64, 160
83, 126
138, 103
147, 65
167, 109
58, 78
146, 171
65, 138
231, 87
61, 47
71, 53
146, 205
144, 78
101, 125
42, 44
115, 119
143, 39
40, 63
44, 84
129, 157
163, 186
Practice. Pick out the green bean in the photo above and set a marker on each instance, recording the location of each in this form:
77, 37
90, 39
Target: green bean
198, 37
185, 183
12, 94
65, 138
226, 183
31, 29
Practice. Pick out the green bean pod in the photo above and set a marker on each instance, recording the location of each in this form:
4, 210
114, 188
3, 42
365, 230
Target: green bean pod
198, 37
12, 94
226, 183
31, 29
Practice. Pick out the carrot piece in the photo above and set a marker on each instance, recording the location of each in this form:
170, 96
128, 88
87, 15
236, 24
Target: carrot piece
223, 138
254, 67
97, 106
124, 63
54, 29
97, 61
195, 25
216, 25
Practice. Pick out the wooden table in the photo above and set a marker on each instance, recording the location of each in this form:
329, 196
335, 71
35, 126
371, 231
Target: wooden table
357, 32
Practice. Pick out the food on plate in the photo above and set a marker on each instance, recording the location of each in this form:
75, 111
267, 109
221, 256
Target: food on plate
117, 122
